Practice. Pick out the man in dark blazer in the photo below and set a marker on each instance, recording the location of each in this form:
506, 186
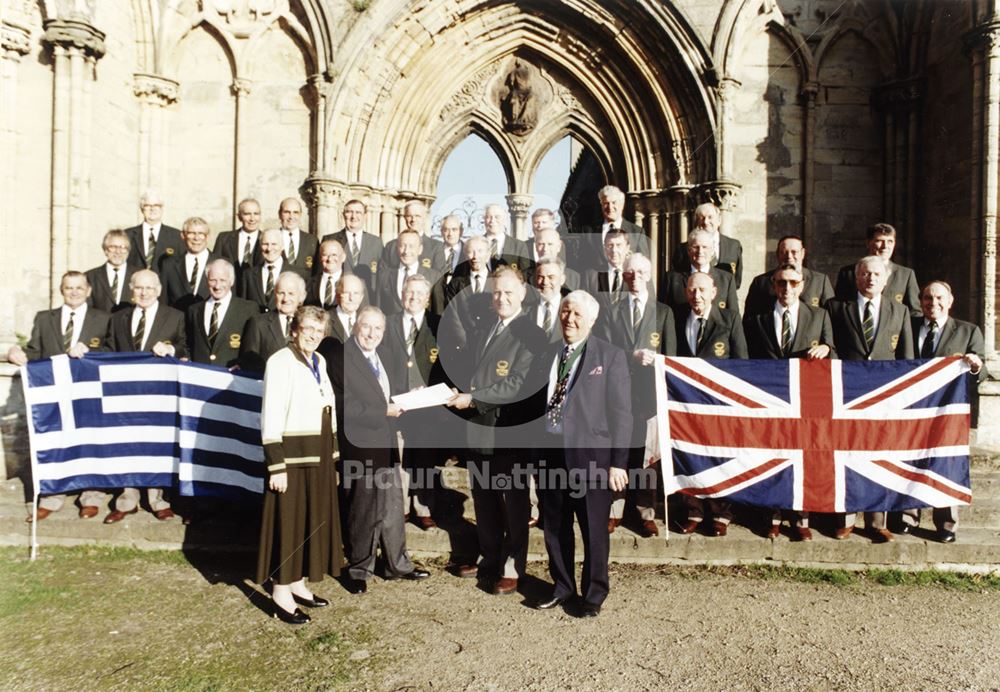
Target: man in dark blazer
706, 331
644, 329
494, 398
587, 422
452, 229
901, 283
75, 329
321, 289
158, 329
390, 282
264, 334
673, 287
870, 326
152, 241
362, 249
504, 248
258, 282
728, 252
815, 291
606, 283
300, 249
241, 247
109, 281
547, 289
547, 243
350, 299
411, 352
183, 275
215, 327
937, 334
366, 432
415, 219
790, 329
468, 309
589, 254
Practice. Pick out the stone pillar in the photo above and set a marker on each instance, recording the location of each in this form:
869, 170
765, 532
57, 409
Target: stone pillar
519, 205
76, 46
319, 87
723, 194
323, 195
241, 92
983, 43
726, 90
808, 98
899, 102
155, 93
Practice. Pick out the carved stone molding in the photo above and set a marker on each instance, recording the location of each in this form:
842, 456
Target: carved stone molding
240, 87
15, 40
242, 17
728, 88
319, 189
519, 204
154, 88
470, 95
809, 92
721, 193
985, 36
74, 35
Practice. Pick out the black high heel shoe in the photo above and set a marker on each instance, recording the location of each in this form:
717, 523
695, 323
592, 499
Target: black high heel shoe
315, 602
295, 618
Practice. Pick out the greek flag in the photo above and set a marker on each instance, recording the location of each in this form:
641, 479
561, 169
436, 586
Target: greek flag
115, 420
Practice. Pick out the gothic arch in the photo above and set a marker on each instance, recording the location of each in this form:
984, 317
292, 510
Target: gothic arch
486, 131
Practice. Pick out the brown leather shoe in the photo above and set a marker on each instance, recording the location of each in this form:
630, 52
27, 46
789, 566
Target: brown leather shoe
613, 524
505, 586
649, 528
116, 516
468, 571
533, 522
88, 512
774, 531
164, 514
426, 523
42, 514
881, 536
690, 527
843, 532
804, 533
720, 528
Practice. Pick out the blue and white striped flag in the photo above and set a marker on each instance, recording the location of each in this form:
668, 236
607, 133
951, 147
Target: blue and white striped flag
114, 420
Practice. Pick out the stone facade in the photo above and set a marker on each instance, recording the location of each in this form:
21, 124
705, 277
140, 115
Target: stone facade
815, 117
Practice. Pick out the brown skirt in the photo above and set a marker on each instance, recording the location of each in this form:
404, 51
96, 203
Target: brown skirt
300, 528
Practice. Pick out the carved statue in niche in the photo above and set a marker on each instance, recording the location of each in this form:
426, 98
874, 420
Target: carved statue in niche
518, 101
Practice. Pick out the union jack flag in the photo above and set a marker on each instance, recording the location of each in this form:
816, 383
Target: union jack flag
818, 436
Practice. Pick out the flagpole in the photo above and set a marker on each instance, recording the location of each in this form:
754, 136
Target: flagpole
34, 526
33, 456
663, 437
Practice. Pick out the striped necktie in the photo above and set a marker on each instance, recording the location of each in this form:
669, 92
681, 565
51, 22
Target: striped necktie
193, 281
114, 287
868, 325
213, 326
247, 242
701, 332
140, 331
355, 251
927, 349
150, 249
786, 333
269, 284
67, 339
328, 293
291, 248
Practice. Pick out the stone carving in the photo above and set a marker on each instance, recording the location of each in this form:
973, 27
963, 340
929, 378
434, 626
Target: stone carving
470, 95
242, 16
154, 88
518, 100
721, 193
15, 40
74, 34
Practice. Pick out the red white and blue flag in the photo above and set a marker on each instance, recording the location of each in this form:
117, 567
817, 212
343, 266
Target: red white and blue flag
817, 436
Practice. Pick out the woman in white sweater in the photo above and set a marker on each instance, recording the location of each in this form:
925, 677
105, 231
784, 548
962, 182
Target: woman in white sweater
300, 528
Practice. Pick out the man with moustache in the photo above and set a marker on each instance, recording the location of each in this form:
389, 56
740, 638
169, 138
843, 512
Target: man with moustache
215, 326
183, 276
673, 288
258, 283
152, 241
109, 281
300, 249
728, 252
816, 287
241, 247
267, 333
900, 283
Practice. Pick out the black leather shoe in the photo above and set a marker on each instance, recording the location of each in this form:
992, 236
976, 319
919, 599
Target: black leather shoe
554, 602
294, 618
356, 586
590, 610
315, 602
415, 574
945, 536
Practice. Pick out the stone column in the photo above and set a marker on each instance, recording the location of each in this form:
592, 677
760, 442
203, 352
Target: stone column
323, 195
899, 103
155, 93
726, 90
808, 98
519, 205
723, 194
983, 43
76, 46
241, 92
319, 86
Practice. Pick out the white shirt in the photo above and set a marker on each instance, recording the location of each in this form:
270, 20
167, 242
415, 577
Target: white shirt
632, 300
554, 370
925, 329
210, 305
402, 275
286, 239
407, 326
189, 266
277, 272
608, 227
383, 379
500, 238
482, 280
78, 316
793, 318
283, 321
247, 239
876, 304
691, 328
331, 279
611, 277
345, 320
456, 256
553, 307
354, 239
110, 269
150, 316
146, 228
704, 269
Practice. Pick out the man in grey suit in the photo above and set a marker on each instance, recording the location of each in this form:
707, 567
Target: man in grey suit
790, 329
901, 282
816, 289
870, 326
937, 334
74, 329
267, 333
109, 281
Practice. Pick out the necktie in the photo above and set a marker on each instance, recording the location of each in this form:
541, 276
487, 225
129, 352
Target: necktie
288, 326
350, 324
355, 250
193, 281
140, 331
411, 337
68, 333
291, 248
328, 293
373, 364
150, 249
636, 318
554, 410
213, 325
786, 333
246, 250
927, 350
868, 325
449, 259
402, 284
547, 318
493, 248
701, 332
475, 284
493, 335
616, 286
114, 287
269, 284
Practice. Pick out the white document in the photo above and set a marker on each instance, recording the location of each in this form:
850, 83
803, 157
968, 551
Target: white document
423, 398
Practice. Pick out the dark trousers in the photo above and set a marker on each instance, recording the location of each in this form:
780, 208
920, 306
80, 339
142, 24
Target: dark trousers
503, 509
374, 518
590, 506
721, 510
